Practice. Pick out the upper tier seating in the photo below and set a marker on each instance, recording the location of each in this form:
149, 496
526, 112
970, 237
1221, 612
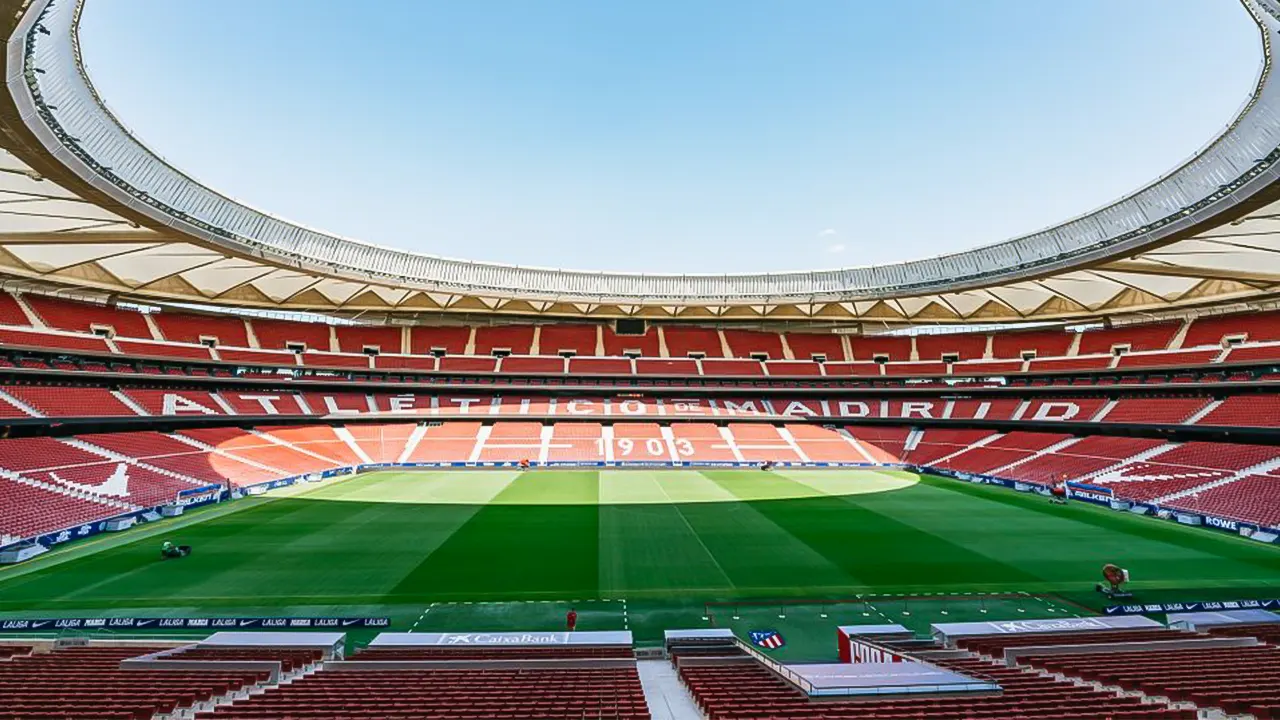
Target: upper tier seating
616, 345
1155, 336
280, 334
895, 348
576, 339
681, 341
430, 340
1156, 411
750, 343
1212, 330
1044, 343
356, 339
966, 346
188, 328
513, 339
84, 317
804, 346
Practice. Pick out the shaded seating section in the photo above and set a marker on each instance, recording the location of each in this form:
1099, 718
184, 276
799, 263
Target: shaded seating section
736, 689
84, 317
462, 693
1137, 338
513, 339
936, 444
895, 348
1245, 410
190, 328
29, 509
1266, 632
1253, 498
1182, 468
443, 340
1235, 679
752, 343
1212, 330
681, 341
281, 334
1155, 411
621, 345
576, 339
58, 401
1088, 455
881, 444
87, 682
356, 339
804, 346
1046, 343
965, 346
1007, 449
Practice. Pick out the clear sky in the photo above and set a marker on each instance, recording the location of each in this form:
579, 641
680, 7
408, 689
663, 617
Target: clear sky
674, 135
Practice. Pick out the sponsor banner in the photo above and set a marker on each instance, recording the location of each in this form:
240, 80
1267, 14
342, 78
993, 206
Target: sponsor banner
1194, 606
944, 631
509, 639
170, 623
861, 651
1090, 493
432, 404
199, 496
910, 676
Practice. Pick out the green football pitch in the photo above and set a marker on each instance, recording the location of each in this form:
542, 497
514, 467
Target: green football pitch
639, 549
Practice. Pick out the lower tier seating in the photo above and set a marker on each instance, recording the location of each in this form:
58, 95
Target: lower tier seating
460, 693
87, 682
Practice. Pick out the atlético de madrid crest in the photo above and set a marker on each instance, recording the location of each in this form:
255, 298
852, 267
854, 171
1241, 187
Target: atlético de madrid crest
767, 639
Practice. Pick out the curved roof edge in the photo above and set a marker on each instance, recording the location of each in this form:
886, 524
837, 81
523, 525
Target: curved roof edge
57, 102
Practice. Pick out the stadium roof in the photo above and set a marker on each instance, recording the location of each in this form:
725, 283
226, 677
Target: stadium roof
84, 205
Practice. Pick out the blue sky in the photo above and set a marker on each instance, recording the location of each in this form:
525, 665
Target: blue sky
674, 136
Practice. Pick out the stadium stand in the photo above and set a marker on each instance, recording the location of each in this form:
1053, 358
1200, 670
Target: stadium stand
281, 334
806, 346
687, 341
87, 682
187, 328
961, 345
455, 692
358, 339
512, 339
568, 338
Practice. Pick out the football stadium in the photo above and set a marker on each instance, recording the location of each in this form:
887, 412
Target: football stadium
249, 469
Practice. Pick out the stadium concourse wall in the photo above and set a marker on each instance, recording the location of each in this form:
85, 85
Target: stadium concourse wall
27, 548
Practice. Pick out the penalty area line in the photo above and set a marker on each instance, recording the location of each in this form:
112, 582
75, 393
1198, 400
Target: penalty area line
420, 617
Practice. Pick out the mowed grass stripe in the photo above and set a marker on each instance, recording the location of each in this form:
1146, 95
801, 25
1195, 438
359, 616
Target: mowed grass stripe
646, 542
871, 547
1053, 541
512, 550
472, 487
755, 553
